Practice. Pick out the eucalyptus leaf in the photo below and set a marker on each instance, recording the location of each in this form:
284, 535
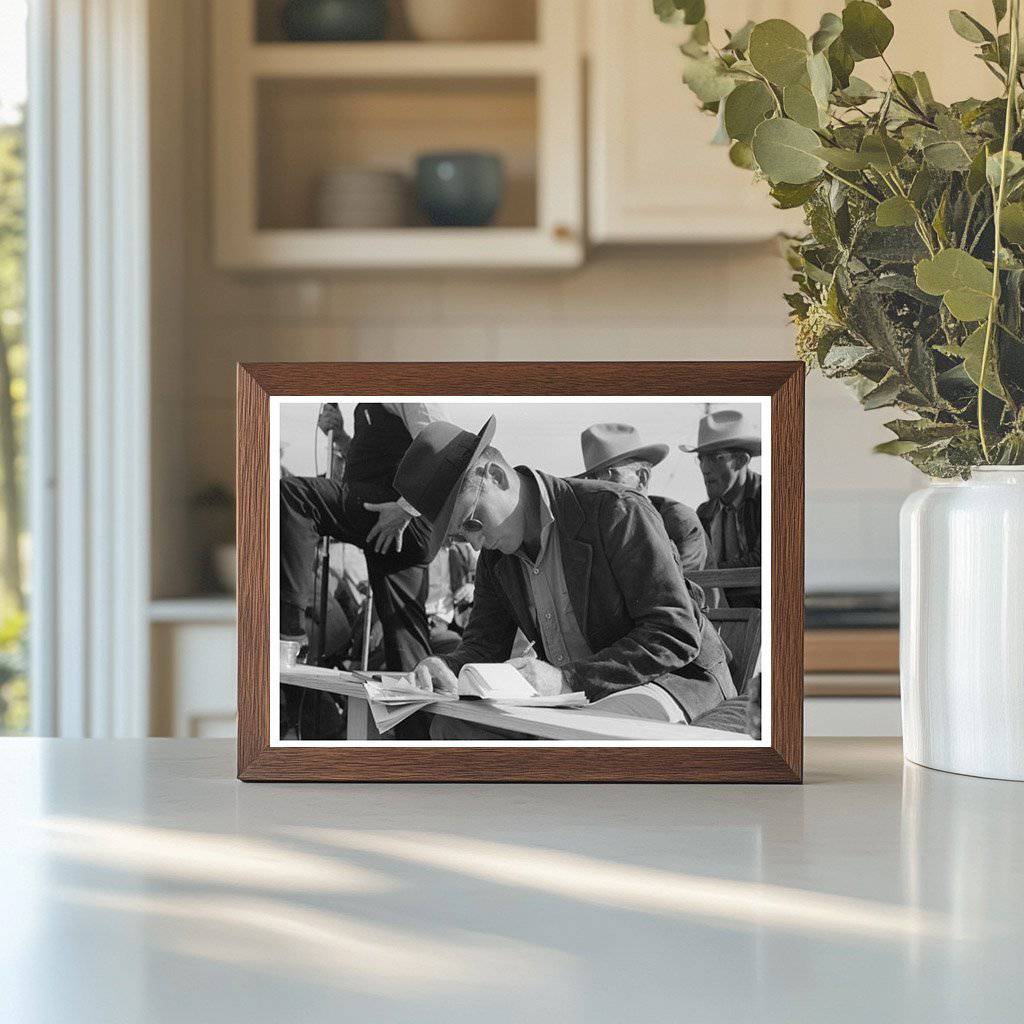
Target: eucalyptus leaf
745, 108
739, 41
779, 51
701, 34
947, 156
923, 430
708, 80
843, 358
883, 152
1012, 223
993, 167
882, 395
894, 212
976, 173
788, 196
971, 351
924, 88
786, 151
969, 28
963, 281
689, 12
922, 185
741, 155
841, 62
819, 75
895, 447
829, 30
800, 105
906, 84
866, 29
721, 136
845, 159
857, 91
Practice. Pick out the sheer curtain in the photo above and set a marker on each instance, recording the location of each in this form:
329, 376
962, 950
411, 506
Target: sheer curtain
88, 302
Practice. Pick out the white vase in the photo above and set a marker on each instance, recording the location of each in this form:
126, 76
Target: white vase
962, 624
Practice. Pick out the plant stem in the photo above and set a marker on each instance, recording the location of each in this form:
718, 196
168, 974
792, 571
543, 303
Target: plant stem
1011, 107
907, 99
853, 185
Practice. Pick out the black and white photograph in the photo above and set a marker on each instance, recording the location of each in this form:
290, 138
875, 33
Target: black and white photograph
509, 571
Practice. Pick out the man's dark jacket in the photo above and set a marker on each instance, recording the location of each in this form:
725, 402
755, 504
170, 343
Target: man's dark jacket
628, 594
749, 514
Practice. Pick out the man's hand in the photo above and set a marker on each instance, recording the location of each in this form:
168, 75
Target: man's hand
433, 675
392, 520
546, 679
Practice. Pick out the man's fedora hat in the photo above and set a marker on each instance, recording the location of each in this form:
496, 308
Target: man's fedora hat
433, 470
726, 428
605, 444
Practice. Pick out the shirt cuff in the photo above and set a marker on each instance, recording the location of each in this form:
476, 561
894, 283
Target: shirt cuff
406, 507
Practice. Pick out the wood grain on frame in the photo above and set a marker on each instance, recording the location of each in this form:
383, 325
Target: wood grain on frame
781, 762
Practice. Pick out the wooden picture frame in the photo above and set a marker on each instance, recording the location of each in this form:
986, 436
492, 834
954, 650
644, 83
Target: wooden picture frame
780, 759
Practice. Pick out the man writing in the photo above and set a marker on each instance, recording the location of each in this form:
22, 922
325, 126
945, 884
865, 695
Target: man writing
726, 442
364, 509
583, 568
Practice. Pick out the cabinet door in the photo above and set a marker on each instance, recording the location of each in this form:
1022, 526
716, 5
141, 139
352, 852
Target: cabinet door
654, 177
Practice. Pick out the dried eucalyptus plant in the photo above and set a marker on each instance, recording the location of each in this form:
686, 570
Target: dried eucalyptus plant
902, 291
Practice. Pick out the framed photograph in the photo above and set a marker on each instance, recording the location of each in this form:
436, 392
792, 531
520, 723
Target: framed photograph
512, 572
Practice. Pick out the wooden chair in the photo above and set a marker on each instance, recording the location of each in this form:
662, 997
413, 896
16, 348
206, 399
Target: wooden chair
740, 629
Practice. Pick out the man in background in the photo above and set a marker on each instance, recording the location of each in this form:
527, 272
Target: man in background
615, 452
363, 508
583, 568
726, 442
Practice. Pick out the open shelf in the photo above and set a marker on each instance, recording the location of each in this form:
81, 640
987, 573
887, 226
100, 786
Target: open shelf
387, 60
309, 127
286, 114
520, 23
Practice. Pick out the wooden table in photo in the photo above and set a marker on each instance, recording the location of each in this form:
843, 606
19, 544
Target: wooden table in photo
542, 723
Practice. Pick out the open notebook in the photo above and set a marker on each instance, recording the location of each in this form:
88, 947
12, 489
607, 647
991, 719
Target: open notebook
502, 683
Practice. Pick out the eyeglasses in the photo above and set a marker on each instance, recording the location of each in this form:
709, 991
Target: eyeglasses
470, 524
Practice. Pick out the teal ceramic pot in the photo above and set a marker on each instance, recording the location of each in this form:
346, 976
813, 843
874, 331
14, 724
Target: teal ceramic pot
460, 189
334, 21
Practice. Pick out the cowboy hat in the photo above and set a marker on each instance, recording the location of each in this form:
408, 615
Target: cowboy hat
726, 428
605, 444
433, 470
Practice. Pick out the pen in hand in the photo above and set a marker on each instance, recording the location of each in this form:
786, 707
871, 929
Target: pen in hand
529, 649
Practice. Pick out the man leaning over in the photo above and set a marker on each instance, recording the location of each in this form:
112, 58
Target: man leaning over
584, 568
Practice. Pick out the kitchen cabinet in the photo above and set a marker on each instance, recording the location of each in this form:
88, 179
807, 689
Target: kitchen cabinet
288, 114
653, 175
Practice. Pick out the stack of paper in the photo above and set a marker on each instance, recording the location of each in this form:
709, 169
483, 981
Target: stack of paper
393, 697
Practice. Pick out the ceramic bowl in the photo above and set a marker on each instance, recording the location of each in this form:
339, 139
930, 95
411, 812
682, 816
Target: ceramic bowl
470, 20
333, 21
460, 189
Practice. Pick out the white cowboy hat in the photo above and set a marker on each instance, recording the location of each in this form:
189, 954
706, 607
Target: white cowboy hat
726, 428
604, 444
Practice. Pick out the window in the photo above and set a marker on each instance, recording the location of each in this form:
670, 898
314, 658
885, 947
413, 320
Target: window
14, 694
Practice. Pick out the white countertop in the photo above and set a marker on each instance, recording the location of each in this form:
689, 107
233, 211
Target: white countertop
140, 882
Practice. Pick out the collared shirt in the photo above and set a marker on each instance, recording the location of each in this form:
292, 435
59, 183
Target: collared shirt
552, 608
